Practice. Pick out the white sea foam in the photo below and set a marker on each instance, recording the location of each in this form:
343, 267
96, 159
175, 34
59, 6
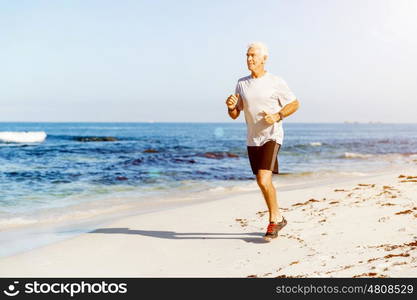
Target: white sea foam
386, 157
315, 144
15, 221
217, 189
356, 155
22, 136
247, 187
74, 213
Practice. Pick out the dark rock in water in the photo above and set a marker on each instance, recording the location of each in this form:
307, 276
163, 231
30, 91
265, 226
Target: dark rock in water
121, 178
151, 151
95, 139
219, 155
136, 161
213, 155
129, 162
61, 181
191, 161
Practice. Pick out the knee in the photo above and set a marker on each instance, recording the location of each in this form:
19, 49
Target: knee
263, 182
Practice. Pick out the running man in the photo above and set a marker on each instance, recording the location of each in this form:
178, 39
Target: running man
266, 100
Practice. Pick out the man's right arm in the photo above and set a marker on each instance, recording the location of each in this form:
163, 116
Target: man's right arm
232, 105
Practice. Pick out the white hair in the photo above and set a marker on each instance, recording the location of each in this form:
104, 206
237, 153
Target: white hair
261, 46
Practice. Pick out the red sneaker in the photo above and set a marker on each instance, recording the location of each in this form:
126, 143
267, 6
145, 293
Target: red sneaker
273, 229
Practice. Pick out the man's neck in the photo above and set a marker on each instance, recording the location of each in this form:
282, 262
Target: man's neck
258, 73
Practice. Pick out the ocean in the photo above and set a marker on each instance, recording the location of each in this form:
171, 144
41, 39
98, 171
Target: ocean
85, 169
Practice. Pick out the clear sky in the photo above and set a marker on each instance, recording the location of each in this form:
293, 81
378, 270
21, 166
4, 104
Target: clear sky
177, 61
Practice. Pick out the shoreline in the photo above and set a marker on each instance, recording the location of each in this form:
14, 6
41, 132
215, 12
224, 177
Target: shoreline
21, 238
109, 206
223, 237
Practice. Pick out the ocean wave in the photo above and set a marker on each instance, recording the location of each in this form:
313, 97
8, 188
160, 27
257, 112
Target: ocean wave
321, 174
20, 145
22, 136
16, 221
248, 187
304, 146
385, 156
86, 138
95, 139
356, 155
308, 178
315, 144
219, 155
75, 213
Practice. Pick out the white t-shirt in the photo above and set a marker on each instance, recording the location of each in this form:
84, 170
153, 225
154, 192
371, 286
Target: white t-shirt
267, 93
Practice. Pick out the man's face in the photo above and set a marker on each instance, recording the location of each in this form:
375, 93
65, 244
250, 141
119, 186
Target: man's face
254, 59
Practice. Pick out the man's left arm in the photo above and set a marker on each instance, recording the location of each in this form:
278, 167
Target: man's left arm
287, 110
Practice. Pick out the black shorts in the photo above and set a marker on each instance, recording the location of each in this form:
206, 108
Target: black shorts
264, 157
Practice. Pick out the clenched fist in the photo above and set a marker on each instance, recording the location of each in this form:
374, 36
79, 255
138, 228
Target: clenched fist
269, 118
232, 100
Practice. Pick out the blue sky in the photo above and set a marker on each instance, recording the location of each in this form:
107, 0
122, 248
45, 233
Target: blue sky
177, 61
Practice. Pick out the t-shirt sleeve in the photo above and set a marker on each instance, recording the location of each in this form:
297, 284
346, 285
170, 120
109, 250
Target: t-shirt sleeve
285, 95
239, 104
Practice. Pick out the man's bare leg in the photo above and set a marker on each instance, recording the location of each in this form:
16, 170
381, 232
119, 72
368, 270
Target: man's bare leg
264, 180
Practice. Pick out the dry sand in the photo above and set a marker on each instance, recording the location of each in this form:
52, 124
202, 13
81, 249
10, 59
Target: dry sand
365, 227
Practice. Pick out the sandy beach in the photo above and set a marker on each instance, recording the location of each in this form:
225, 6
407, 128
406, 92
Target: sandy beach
363, 227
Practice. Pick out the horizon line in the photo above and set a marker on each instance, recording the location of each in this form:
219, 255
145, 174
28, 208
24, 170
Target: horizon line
227, 122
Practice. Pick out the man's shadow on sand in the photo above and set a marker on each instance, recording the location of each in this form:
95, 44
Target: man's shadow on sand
257, 237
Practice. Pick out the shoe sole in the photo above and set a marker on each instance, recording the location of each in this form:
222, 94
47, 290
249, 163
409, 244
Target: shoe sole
269, 238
